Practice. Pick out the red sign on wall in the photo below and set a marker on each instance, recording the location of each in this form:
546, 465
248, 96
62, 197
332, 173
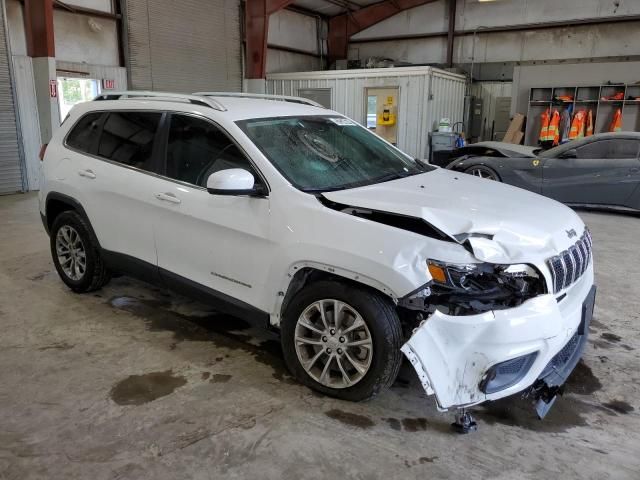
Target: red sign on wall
108, 84
53, 88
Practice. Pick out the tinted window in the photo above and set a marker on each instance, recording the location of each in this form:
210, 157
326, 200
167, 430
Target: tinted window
127, 138
597, 149
620, 148
197, 148
85, 133
624, 148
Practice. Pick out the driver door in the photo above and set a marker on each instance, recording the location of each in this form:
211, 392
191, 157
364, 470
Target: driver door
602, 172
220, 242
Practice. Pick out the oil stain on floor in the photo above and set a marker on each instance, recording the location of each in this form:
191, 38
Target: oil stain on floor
351, 419
140, 389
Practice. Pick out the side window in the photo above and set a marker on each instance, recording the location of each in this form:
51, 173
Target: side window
84, 134
127, 138
597, 149
624, 148
197, 148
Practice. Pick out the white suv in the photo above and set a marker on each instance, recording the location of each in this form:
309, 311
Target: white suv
293, 216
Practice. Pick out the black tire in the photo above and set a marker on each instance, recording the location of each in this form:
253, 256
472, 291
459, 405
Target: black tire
488, 172
384, 326
96, 274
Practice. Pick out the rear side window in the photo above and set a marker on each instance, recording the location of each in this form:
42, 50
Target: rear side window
84, 134
127, 138
610, 149
624, 148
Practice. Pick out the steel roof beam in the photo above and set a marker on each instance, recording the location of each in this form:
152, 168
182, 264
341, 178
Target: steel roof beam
342, 27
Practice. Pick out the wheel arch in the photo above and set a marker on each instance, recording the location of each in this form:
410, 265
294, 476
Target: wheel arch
57, 203
305, 273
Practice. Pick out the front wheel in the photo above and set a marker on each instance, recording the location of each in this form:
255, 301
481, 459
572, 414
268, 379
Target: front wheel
342, 340
483, 172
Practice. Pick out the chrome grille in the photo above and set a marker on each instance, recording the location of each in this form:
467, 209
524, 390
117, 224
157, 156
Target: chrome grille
568, 266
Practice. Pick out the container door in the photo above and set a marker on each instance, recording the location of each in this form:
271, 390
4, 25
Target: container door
382, 112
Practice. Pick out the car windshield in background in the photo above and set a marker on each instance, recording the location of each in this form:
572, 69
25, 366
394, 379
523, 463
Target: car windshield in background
321, 153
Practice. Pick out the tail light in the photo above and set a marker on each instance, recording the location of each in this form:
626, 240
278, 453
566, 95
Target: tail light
43, 149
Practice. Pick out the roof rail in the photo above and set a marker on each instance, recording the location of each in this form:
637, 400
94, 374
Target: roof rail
193, 99
282, 98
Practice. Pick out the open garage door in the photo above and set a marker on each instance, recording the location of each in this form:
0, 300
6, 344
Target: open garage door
186, 46
10, 171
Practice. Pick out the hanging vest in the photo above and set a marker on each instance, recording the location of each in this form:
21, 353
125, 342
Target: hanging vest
577, 125
554, 128
589, 130
616, 124
544, 129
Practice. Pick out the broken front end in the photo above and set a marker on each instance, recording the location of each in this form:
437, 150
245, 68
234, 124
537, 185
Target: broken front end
485, 331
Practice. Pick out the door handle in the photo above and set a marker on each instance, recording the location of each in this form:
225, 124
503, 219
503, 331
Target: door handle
87, 174
168, 197
634, 170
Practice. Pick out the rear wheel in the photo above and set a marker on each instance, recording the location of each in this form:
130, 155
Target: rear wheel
342, 340
76, 255
482, 171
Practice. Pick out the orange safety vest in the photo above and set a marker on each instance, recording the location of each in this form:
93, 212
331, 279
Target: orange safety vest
616, 124
544, 129
554, 128
589, 130
577, 125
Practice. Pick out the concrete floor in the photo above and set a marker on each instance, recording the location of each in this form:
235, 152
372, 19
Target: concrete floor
131, 382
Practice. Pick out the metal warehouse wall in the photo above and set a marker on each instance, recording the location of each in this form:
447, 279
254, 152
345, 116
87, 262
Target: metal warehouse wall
186, 46
425, 96
488, 92
10, 154
426, 26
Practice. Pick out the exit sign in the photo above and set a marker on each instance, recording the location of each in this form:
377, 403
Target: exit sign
108, 84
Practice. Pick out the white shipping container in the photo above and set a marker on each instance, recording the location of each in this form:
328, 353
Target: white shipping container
425, 96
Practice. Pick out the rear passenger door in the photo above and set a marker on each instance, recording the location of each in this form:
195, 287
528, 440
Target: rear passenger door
118, 179
220, 242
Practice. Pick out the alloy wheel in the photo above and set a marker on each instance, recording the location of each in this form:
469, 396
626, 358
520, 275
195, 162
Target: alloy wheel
333, 343
71, 253
482, 173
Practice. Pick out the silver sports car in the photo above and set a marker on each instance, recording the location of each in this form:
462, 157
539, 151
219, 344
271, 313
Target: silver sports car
602, 170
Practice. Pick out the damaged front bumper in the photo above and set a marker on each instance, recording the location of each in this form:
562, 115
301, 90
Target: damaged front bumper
466, 360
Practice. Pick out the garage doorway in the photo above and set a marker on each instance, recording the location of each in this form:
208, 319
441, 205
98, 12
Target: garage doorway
72, 91
382, 112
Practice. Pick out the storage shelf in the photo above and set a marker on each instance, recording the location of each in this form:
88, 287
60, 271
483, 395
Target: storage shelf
586, 97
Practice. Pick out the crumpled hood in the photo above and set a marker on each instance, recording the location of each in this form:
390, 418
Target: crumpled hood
522, 226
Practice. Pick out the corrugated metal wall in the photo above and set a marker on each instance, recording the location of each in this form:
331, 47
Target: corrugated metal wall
29, 120
426, 96
10, 155
488, 92
185, 46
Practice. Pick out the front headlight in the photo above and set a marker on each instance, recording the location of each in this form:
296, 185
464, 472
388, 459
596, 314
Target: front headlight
478, 287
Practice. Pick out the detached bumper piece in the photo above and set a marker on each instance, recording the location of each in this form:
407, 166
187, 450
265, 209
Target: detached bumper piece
551, 380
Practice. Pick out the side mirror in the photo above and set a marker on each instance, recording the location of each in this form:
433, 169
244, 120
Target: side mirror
571, 153
234, 181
